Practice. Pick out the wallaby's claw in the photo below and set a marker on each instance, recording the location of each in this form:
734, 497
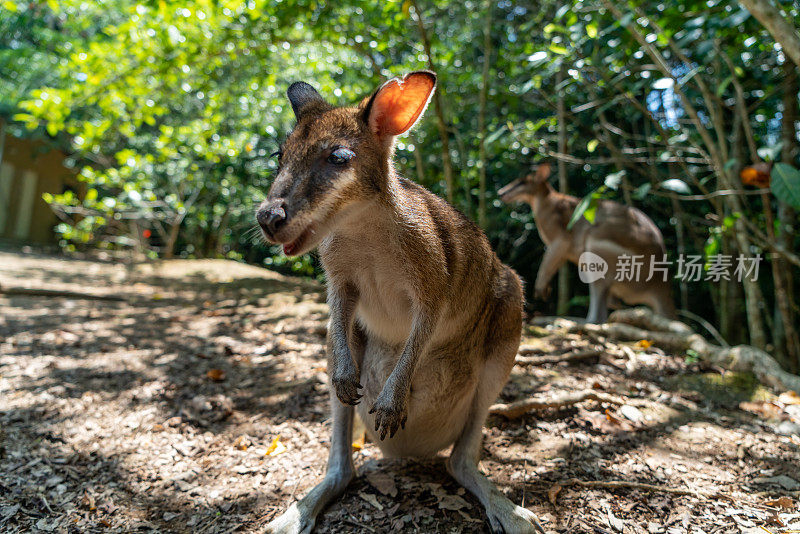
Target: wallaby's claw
388, 419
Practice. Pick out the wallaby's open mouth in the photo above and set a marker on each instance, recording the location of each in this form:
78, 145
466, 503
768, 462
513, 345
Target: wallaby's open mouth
291, 249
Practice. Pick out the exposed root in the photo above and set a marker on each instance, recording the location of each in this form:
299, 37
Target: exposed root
621, 484
672, 337
572, 356
521, 407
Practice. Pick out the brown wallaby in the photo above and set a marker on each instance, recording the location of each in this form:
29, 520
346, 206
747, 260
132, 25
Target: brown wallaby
617, 231
425, 321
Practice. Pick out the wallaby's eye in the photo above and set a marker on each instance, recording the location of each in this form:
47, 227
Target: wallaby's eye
340, 156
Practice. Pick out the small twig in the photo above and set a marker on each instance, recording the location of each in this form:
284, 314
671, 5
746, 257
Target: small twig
621, 484
353, 521
521, 407
558, 358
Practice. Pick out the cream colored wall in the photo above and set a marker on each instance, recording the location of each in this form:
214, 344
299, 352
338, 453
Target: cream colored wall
28, 170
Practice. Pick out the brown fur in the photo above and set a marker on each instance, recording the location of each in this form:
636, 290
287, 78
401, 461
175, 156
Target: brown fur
617, 230
425, 319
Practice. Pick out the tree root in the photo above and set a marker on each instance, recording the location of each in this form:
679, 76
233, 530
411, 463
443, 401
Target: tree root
621, 484
572, 356
519, 408
674, 336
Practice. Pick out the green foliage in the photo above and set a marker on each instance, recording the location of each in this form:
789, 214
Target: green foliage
170, 109
785, 181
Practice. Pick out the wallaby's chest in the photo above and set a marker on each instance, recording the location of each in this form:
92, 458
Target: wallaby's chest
376, 270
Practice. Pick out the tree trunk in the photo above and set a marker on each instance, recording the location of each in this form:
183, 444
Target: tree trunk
172, 238
562, 305
482, 98
441, 123
773, 19
786, 215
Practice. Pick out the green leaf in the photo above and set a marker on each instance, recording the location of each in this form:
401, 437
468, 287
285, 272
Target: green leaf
587, 207
591, 212
642, 191
558, 49
591, 146
591, 31
10, 6
580, 209
786, 184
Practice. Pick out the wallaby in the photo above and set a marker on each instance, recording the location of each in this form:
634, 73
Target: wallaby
617, 231
425, 321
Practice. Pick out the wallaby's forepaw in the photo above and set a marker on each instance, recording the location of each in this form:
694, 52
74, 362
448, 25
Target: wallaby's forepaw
541, 292
292, 521
517, 520
345, 383
390, 416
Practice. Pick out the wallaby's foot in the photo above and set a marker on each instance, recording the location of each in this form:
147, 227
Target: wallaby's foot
301, 516
345, 381
292, 521
390, 411
507, 518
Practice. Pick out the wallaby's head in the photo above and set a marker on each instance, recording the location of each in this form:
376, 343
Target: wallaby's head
522, 189
337, 158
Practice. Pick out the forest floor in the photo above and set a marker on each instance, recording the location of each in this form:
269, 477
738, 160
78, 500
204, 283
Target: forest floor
190, 396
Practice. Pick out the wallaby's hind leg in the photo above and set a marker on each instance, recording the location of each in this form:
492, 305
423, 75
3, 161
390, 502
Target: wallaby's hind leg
504, 515
302, 515
598, 302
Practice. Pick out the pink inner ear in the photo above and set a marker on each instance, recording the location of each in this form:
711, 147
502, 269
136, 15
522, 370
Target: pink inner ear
399, 104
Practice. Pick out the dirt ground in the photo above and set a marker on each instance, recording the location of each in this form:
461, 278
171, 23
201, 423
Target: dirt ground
190, 396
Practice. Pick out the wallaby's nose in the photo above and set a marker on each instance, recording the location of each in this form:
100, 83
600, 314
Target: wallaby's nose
271, 216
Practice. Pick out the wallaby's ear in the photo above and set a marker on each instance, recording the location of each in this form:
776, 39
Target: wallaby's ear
399, 103
542, 171
301, 95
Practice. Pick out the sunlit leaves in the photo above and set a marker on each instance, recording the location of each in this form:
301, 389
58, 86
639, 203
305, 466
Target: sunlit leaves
786, 184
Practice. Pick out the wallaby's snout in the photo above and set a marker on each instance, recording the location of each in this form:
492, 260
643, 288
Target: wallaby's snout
513, 192
271, 216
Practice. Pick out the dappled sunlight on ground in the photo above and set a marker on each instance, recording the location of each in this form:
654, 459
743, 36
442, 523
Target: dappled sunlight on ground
160, 412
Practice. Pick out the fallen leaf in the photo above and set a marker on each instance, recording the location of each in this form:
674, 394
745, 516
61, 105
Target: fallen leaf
276, 447
88, 501
631, 413
383, 482
241, 443
789, 398
612, 417
217, 375
644, 344
358, 443
774, 519
445, 500
615, 522
766, 410
783, 502
370, 498
552, 493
